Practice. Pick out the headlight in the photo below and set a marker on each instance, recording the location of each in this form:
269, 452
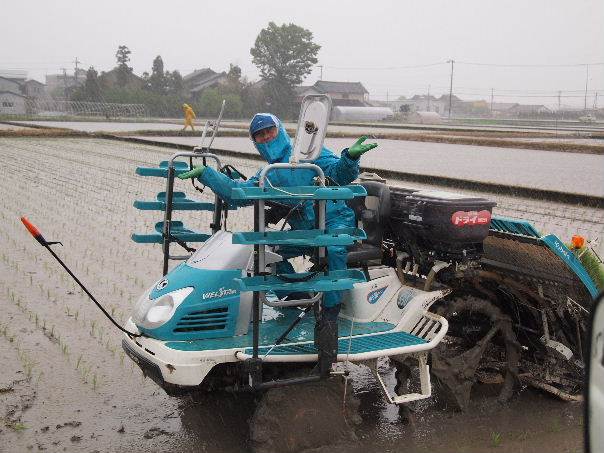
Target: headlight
152, 313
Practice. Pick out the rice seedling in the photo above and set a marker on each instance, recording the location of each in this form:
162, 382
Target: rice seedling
555, 425
28, 368
496, 439
15, 426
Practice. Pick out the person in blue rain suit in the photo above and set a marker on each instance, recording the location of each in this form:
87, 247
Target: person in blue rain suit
274, 145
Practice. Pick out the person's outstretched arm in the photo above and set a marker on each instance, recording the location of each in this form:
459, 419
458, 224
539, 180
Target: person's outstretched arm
345, 169
220, 183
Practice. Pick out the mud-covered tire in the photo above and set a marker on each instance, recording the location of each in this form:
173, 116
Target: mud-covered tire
455, 370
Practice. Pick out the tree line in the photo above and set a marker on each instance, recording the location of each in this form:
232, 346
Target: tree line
284, 55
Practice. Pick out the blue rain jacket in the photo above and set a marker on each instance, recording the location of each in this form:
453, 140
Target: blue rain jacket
342, 170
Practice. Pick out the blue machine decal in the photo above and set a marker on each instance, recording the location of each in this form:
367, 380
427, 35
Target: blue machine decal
558, 247
406, 295
210, 311
374, 295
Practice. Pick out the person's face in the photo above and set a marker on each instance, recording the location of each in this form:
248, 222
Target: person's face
265, 135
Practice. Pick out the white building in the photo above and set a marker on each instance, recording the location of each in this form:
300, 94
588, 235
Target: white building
425, 103
12, 103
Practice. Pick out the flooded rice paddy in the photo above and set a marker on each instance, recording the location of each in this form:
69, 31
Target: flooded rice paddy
67, 386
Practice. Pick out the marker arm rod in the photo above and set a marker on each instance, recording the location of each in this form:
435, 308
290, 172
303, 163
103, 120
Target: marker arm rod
115, 323
35, 232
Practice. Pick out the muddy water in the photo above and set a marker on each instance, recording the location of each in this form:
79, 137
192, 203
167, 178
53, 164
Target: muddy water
508, 166
65, 383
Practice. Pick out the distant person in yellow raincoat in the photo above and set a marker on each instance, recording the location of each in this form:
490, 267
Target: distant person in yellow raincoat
189, 116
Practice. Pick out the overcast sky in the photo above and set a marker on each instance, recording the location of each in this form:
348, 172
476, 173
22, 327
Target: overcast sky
371, 41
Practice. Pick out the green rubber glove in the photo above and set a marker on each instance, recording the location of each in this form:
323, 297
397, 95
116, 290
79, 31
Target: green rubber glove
195, 173
359, 148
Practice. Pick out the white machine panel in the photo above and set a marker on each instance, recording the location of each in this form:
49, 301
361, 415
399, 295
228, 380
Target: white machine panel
312, 126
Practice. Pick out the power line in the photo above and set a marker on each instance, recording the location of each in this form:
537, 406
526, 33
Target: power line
531, 65
386, 68
496, 95
469, 63
419, 86
34, 62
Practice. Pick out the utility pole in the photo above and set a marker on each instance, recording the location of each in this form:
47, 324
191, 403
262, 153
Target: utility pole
596, 102
321, 76
387, 97
428, 98
75, 72
559, 100
491, 101
64, 82
586, 80
451, 87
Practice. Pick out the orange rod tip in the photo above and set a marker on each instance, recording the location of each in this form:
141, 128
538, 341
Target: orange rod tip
31, 227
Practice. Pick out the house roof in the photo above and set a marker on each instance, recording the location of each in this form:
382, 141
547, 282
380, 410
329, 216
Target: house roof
198, 85
32, 81
10, 80
324, 86
13, 93
16, 75
504, 105
445, 97
201, 79
418, 97
529, 107
204, 73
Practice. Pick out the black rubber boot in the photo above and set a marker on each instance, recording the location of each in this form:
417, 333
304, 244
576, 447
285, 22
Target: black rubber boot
326, 339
